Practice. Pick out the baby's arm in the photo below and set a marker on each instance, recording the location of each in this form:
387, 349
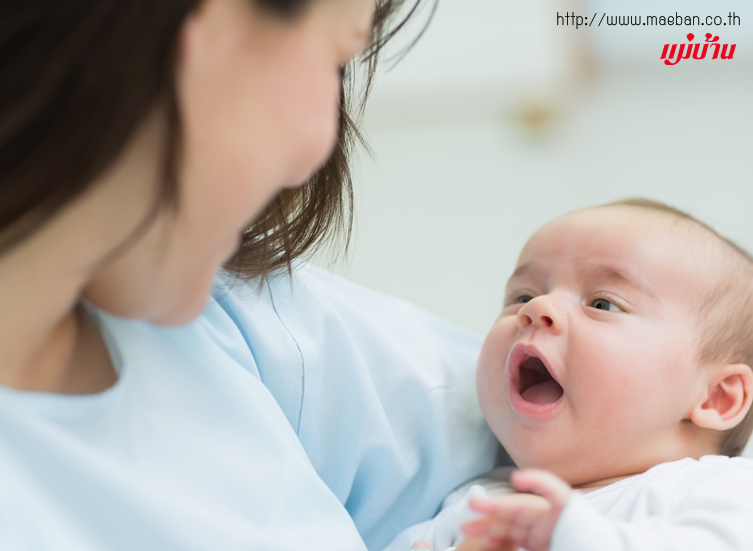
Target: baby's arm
708, 512
526, 519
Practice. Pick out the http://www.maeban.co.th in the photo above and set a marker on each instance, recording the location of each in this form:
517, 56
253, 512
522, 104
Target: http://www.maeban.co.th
675, 19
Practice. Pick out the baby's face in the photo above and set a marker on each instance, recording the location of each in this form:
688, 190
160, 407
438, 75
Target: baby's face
590, 371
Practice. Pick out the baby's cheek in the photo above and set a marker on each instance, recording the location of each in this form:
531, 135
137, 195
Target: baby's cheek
612, 404
492, 379
494, 400
493, 357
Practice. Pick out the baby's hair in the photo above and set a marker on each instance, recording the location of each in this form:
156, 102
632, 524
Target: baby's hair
725, 313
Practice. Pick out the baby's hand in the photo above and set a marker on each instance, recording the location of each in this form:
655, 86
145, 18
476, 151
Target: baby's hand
479, 544
526, 519
469, 544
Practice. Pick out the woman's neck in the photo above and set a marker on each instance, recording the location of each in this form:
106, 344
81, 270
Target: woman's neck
48, 344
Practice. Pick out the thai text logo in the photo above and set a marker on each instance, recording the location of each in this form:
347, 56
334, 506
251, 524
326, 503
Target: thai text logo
672, 54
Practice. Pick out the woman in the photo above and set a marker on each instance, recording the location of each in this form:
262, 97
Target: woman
139, 411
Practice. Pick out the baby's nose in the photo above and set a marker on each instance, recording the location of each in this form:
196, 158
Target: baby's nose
525, 320
541, 312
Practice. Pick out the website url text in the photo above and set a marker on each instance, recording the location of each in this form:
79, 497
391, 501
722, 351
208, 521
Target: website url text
677, 19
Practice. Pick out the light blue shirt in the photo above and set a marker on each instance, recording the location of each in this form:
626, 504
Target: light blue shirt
292, 414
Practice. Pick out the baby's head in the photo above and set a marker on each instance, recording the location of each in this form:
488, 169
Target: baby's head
624, 342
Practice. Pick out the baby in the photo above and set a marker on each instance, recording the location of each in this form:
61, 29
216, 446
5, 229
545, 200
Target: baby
617, 377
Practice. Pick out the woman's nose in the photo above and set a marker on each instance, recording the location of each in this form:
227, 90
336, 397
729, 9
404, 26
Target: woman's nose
542, 313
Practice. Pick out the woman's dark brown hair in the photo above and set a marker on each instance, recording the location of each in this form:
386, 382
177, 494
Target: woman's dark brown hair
77, 78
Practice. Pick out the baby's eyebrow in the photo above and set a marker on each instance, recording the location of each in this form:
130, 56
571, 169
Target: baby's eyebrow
616, 274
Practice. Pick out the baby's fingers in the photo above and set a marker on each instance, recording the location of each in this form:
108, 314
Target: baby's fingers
526, 518
487, 528
476, 528
510, 517
552, 488
510, 507
486, 544
494, 532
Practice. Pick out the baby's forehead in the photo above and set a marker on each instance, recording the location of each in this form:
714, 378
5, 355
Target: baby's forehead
630, 226
651, 244
613, 229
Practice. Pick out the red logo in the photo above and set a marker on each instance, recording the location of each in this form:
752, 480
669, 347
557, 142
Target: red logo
687, 50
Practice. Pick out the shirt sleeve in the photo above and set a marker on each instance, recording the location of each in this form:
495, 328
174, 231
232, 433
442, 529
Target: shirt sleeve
380, 393
701, 521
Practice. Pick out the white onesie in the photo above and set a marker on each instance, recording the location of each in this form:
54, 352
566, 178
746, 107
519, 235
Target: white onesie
683, 505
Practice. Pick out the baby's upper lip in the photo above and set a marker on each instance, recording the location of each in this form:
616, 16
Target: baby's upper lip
519, 353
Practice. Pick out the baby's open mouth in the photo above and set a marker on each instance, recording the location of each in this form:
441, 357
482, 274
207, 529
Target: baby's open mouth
536, 385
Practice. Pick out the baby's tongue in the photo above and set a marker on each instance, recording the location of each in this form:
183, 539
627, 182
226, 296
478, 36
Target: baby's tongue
543, 393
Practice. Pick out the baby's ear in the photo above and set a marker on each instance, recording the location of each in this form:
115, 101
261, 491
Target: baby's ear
730, 392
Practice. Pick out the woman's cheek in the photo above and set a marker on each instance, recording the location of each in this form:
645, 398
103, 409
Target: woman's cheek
321, 134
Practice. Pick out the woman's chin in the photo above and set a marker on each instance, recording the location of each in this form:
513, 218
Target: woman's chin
178, 306
186, 308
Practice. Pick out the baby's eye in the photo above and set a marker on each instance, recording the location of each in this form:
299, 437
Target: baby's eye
604, 304
522, 299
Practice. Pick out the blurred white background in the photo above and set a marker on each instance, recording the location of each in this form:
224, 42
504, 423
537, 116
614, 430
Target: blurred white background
499, 120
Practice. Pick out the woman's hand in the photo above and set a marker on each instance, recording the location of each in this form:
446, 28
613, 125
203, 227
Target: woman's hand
528, 519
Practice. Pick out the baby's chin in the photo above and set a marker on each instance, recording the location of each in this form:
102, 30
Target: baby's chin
568, 464
578, 469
